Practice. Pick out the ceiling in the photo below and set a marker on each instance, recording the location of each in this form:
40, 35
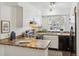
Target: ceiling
60, 7
13, 4
45, 5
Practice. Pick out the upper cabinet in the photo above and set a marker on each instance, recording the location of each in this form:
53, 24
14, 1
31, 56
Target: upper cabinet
17, 16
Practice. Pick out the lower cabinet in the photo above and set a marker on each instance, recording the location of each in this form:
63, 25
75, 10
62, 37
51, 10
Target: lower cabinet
54, 41
6, 50
24, 51
1, 50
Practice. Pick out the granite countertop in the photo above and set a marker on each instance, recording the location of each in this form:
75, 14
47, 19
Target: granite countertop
36, 44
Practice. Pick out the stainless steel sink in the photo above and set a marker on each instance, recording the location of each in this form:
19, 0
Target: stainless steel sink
22, 42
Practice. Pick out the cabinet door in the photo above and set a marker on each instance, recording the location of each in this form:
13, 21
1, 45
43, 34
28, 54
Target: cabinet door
1, 50
17, 17
54, 41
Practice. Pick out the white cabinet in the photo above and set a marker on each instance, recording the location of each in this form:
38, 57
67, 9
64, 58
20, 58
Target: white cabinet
1, 50
17, 17
23, 51
6, 50
54, 41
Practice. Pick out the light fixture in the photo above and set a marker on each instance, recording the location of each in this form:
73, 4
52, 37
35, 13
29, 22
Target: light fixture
52, 6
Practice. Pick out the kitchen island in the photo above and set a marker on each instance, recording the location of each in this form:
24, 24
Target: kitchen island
24, 47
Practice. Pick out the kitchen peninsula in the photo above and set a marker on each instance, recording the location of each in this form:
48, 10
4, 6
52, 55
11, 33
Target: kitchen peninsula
24, 47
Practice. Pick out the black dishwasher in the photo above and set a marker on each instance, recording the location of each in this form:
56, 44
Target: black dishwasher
64, 43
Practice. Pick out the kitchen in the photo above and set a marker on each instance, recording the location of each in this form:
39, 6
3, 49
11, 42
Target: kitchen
38, 27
